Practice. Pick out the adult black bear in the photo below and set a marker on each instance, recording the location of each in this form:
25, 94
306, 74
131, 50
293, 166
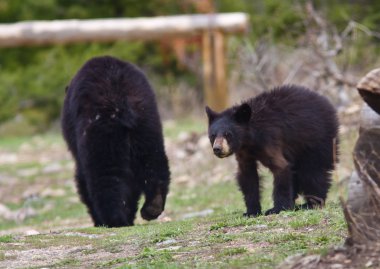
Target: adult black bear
292, 131
112, 127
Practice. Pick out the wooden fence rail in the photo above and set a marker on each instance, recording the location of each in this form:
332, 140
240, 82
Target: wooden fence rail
212, 28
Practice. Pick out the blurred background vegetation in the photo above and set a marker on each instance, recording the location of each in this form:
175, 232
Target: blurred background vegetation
33, 79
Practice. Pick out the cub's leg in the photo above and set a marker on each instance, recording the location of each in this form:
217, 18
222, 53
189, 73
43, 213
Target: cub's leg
249, 183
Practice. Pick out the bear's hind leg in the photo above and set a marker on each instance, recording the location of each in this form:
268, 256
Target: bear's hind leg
154, 174
156, 185
313, 172
314, 186
84, 195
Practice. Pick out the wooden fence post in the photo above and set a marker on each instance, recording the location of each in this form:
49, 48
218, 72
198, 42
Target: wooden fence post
214, 69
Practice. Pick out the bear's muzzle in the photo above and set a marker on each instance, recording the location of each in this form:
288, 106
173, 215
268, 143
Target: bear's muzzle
221, 148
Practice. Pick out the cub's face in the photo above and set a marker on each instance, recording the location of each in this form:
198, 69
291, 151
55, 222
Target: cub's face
222, 137
226, 129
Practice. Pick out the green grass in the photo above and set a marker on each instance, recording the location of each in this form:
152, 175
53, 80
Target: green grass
232, 251
221, 239
173, 129
13, 143
6, 238
66, 263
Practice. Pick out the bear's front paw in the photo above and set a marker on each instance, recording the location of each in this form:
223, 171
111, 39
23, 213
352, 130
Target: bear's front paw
275, 210
151, 210
251, 214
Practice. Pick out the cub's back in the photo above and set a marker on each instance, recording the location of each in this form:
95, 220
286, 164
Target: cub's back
300, 114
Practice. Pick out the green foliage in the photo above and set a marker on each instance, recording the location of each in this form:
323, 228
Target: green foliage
275, 20
33, 79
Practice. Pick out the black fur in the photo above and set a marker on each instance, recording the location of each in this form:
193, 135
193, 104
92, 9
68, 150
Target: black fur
112, 127
292, 131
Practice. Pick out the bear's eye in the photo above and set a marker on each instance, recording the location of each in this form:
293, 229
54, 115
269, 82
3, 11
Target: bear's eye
212, 137
227, 135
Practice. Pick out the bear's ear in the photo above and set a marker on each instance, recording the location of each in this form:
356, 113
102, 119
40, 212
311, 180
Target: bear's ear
242, 113
210, 114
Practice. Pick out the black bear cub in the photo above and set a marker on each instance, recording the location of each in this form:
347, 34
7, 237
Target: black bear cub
111, 124
292, 131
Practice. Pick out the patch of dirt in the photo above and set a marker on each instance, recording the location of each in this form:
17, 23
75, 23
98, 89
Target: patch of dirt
194, 244
83, 255
38, 257
337, 258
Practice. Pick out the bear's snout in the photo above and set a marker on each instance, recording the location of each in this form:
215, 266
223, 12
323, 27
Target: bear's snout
217, 150
221, 148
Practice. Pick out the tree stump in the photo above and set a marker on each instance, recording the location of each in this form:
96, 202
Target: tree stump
369, 126
369, 89
363, 205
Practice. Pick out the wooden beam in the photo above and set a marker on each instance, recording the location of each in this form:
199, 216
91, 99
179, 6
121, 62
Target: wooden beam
208, 80
220, 90
29, 33
214, 70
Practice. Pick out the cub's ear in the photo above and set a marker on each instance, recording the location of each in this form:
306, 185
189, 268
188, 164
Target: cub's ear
210, 114
242, 113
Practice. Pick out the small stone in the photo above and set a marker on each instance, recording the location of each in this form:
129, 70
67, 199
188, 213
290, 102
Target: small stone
53, 192
52, 168
171, 248
90, 236
31, 232
261, 226
202, 213
204, 142
339, 257
27, 172
5, 212
24, 213
166, 242
183, 136
164, 218
337, 266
